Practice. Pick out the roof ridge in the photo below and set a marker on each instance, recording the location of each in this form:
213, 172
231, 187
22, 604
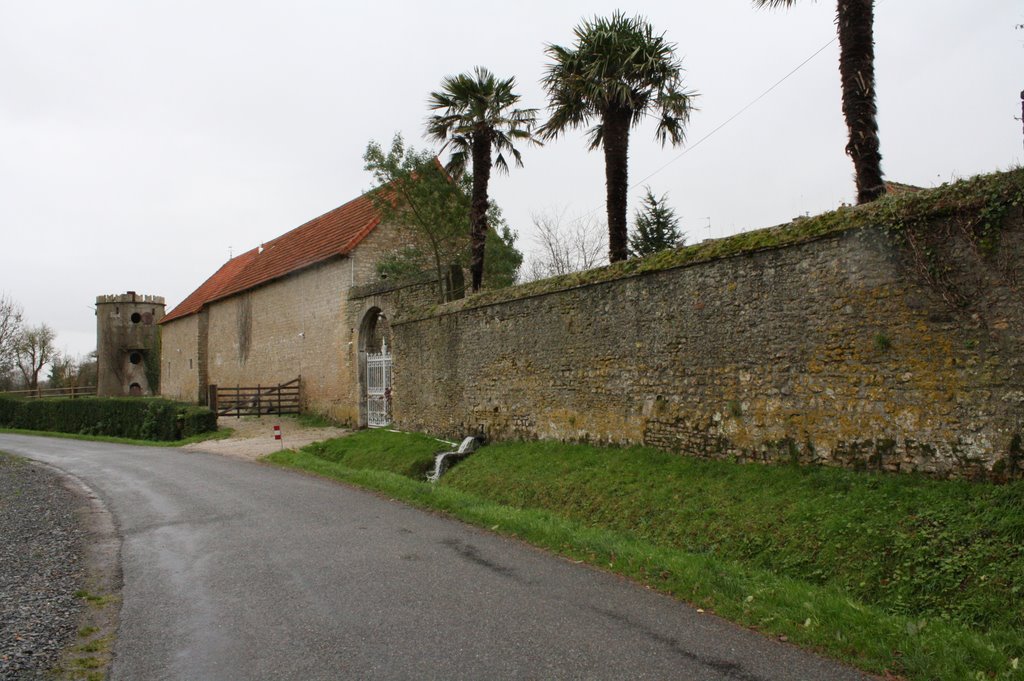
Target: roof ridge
318, 217
334, 233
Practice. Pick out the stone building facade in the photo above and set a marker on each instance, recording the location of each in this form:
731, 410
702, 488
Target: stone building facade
281, 311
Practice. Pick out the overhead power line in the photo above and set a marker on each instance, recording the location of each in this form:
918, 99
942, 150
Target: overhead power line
736, 115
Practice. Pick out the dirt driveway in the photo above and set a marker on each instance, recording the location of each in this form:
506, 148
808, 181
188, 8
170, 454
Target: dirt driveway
254, 437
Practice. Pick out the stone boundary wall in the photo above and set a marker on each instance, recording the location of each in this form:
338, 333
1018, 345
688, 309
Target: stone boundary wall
839, 350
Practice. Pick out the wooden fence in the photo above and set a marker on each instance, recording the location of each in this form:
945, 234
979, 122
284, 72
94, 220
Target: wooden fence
70, 391
283, 398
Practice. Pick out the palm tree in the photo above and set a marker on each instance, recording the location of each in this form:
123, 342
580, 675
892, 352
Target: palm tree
476, 117
855, 24
617, 73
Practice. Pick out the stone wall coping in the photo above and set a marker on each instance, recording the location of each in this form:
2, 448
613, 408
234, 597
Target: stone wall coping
608, 274
887, 213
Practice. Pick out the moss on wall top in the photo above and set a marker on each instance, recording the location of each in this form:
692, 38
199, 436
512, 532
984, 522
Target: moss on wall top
985, 199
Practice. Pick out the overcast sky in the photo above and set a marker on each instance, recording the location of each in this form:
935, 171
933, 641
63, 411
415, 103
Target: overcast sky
141, 142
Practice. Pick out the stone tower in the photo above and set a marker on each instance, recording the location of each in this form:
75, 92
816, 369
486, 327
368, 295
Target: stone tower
128, 344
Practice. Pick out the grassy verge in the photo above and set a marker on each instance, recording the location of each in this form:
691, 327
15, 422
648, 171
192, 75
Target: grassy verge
898, 574
409, 454
199, 437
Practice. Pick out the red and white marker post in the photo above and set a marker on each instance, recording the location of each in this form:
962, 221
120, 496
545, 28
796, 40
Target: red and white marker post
277, 435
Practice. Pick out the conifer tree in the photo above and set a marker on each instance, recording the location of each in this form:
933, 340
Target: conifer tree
655, 226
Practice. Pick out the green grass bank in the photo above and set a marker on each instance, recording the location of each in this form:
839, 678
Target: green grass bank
903, 575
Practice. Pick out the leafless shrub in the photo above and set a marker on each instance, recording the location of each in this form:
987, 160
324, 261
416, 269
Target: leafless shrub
565, 245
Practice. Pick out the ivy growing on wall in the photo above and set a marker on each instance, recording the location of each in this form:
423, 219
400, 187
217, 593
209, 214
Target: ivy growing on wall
151, 359
971, 212
243, 318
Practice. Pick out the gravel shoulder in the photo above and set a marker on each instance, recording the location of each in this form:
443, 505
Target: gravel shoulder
42, 567
254, 437
60, 576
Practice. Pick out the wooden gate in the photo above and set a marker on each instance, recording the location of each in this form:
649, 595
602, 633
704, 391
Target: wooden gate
378, 388
283, 398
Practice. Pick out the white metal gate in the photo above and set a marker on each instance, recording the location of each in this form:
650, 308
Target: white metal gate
378, 388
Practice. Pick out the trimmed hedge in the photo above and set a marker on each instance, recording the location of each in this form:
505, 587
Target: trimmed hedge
128, 417
8, 408
193, 420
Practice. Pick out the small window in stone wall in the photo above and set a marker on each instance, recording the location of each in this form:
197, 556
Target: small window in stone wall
135, 357
135, 390
136, 318
190, 363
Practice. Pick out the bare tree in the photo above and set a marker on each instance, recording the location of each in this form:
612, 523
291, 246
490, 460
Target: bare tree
10, 332
72, 371
565, 245
35, 349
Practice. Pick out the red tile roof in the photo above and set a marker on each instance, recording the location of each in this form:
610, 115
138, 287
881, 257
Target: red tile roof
332, 234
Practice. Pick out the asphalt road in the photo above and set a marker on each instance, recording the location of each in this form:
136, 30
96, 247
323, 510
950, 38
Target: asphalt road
234, 570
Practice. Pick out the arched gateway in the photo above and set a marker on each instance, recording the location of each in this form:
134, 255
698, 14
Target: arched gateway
375, 369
